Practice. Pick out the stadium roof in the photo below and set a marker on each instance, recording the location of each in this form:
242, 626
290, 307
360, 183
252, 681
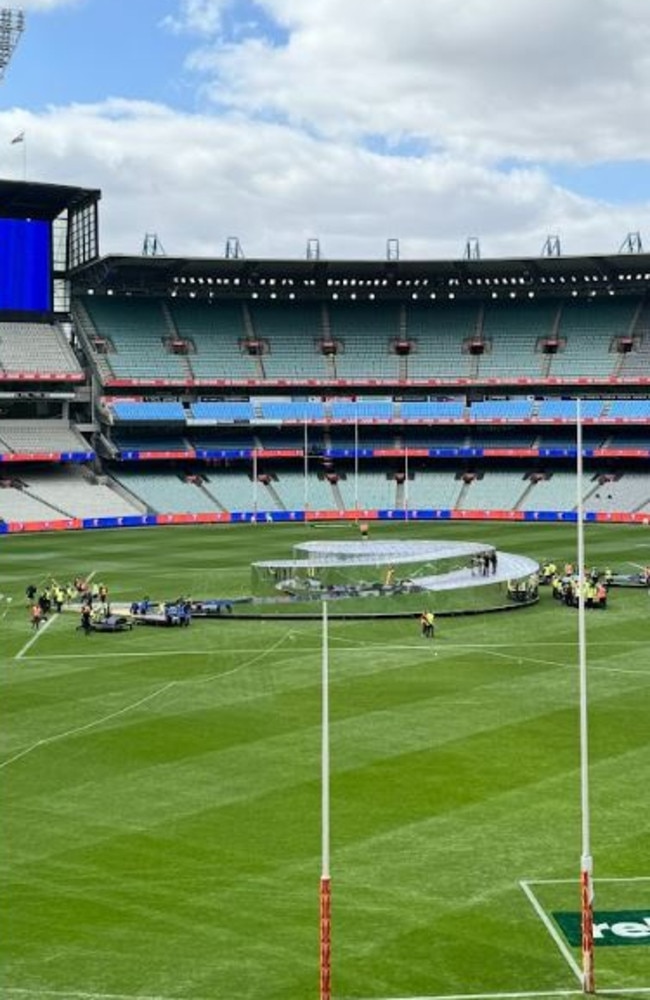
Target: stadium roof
301, 279
21, 200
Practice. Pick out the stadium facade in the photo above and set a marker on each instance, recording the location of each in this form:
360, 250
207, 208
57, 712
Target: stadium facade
150, 389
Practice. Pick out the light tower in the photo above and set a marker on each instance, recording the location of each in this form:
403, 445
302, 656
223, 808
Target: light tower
12, 25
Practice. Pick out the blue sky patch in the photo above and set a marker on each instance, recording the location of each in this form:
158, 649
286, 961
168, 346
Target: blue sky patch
404, 147
247, 19
623, 183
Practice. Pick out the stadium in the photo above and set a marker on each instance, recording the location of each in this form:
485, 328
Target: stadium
176, 426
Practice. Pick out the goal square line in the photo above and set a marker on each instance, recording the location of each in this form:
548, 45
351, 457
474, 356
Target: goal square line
549, 924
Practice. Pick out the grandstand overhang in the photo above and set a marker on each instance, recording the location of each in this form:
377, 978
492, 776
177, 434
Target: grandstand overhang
364, 281
22, 200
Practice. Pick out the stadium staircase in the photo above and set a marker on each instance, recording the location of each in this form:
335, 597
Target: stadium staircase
89, 337
460, 499
206, 489
403, 360
276, 501
251, 334
339, 502
528, 489
37, 495
637, 361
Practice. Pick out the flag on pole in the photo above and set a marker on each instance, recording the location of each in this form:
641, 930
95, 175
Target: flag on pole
17, 138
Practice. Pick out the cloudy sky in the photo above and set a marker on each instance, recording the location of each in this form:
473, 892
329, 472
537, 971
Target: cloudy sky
353, 122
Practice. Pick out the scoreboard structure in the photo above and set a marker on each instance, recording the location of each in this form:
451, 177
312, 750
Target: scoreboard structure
46, 230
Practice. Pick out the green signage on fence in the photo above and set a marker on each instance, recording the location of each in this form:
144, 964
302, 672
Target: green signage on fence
611, 927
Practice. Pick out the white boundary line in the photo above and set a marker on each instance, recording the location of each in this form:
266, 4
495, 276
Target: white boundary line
522, 995
552, 930
30, 642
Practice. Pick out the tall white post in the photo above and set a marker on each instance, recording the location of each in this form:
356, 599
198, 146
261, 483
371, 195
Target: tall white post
325, 882
356, 458
305, 466
586, 861
406, 482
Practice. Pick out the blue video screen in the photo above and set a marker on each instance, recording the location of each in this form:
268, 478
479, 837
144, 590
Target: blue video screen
25, 265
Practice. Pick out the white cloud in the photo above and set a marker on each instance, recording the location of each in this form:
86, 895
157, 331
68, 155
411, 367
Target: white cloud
196, 180
203, 17
515, 78
484, 85
44, 5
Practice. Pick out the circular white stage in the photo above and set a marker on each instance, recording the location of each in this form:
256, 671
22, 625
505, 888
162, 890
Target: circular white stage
382, 577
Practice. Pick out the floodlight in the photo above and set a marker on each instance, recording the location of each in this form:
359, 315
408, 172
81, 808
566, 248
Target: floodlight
12, 25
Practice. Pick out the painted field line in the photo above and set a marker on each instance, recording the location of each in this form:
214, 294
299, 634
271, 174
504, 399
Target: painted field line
574, 881
28, 645
136, 704
520, 995
552, 929
81, 729
487, 996
81, 995
152, 654
511, 996
482, 645
39, 631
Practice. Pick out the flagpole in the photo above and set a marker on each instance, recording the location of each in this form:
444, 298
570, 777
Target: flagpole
325, 884
586, 860
21, 138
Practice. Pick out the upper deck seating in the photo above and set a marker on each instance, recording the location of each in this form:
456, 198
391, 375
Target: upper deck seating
291, 335
218, 334
438, 333
511, 335
586, 332
138, 330
366, 333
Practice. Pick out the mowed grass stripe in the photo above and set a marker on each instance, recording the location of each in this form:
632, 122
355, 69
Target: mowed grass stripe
175, 850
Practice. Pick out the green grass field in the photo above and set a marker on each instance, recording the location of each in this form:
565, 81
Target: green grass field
160, 830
